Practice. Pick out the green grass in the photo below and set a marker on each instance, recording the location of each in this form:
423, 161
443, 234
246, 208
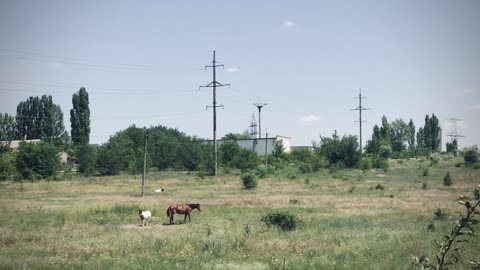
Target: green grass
92, 223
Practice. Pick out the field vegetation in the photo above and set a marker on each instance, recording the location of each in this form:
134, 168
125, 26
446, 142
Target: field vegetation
344, 219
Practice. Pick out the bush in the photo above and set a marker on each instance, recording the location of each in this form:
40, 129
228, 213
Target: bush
426, 171
281, 219
249, 180
305, 168
447, 180
471, 155
7, 166
37, 160
261, 172
381, 163
366, 163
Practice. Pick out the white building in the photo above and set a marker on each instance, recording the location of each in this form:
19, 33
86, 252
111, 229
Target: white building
258, 145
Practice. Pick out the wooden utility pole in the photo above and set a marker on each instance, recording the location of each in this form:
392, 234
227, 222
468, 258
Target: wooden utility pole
266, 147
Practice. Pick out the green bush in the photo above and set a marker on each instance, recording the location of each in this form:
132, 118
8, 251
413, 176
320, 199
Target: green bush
440, 214
426, 171
249, 180
261, 172
7, 166
281, 219
37, 160
447, 180
305, 168
366, 163
471, 155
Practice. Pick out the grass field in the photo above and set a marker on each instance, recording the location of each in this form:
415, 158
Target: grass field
349, 220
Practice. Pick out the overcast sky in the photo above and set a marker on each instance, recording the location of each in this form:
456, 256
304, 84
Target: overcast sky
143, 61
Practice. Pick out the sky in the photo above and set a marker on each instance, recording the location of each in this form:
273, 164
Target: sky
142, 63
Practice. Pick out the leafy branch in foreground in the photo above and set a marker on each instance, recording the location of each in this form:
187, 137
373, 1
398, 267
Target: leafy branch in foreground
464, 226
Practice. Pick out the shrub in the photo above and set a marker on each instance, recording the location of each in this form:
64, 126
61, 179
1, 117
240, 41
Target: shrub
471, 155
261, 172
37, 160
7, 166
447, 180
366, 163
305, 168
281, 219
249, 180
426, 171
380, 187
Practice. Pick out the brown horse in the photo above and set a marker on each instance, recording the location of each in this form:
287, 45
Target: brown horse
182, 209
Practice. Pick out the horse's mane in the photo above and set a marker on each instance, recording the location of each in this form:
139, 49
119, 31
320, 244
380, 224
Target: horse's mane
193, 205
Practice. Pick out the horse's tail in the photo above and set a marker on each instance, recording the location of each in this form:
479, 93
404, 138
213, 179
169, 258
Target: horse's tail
168, 211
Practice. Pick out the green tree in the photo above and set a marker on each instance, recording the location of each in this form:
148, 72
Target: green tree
80, 118
37, 160
86, 156
7, 127
411, 135
246, 159
40, 118
227, 152
344, 151
452, 147
400, 133
430, 135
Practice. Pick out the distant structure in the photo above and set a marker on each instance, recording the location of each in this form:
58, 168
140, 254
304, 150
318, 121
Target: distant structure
252, 129
260, 145
454, 133
260, 105
360, 109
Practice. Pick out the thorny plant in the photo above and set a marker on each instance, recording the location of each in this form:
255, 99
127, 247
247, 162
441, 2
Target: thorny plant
448, 254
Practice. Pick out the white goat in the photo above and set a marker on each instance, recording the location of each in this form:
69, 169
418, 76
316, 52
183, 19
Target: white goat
145, 217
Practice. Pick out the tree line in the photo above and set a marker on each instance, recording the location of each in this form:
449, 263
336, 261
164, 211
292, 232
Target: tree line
40, 118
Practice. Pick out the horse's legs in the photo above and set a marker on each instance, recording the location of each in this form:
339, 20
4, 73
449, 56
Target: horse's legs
185, 218
189, 217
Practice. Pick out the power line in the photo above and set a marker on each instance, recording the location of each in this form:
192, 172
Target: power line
40, 57
109, 90
214, 84
360, 109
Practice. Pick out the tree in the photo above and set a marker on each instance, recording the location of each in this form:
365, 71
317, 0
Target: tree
80, 118
86, 156
344, 151
452, 147
246, 159
227, 152
411, 135
400, 133
40, 118
7, 127
37, 160
278, 150
430, 135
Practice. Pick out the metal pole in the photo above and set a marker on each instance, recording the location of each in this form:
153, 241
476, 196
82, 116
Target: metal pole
144, 165
266, 147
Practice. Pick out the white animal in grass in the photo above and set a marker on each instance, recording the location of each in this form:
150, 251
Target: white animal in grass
145, 217
159, 190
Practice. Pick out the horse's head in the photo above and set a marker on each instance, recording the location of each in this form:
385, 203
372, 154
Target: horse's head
197, 205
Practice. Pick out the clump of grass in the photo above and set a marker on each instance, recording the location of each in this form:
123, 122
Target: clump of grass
307, 181
424, 186
380, 187
447, 180
426, 171
440, 214
351, 189
293, 201
281, 219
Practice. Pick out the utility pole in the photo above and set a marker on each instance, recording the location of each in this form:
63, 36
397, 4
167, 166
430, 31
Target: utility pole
253, 127
360, 109
214, 84
266, 147
144, 163
454, 133
259, 106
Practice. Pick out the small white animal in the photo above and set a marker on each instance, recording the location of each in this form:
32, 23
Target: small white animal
159, 190
145, 217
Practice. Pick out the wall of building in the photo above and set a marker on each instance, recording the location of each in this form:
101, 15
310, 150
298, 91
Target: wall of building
258, 145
